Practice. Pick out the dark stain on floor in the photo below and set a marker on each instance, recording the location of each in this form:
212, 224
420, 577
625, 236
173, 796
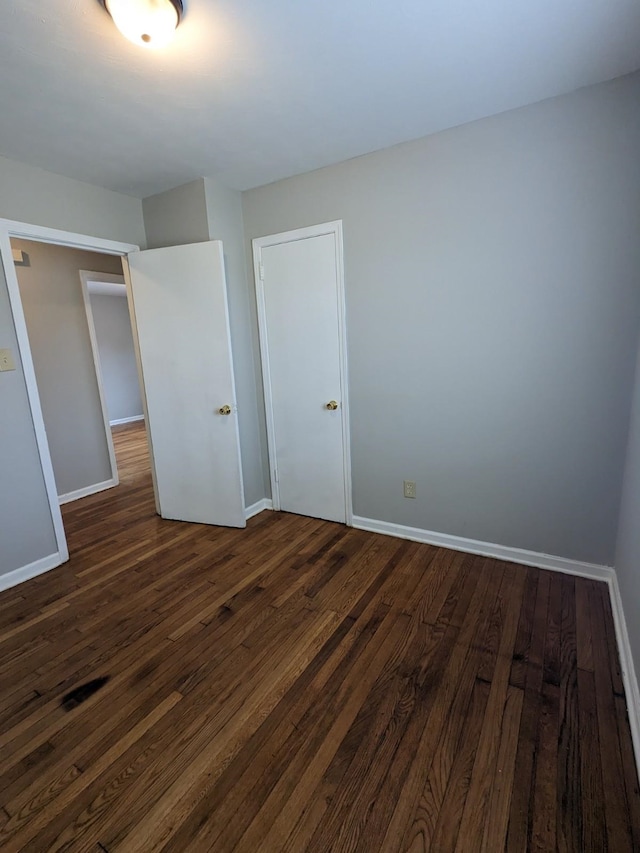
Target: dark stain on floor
80, 694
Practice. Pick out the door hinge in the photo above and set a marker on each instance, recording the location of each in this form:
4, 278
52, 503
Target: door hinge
275, 474
261, 270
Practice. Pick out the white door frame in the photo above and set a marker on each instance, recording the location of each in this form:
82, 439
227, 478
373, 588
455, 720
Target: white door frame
260, 243
85, 277
40, 234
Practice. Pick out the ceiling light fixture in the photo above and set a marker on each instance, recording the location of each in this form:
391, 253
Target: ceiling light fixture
147, 23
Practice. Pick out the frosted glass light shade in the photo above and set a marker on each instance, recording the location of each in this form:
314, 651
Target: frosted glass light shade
147, 23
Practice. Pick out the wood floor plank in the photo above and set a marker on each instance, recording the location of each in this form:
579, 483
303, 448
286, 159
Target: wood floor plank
497, 821
301, 685
570, 815
552, 663
373, 746
524, 637
365, 736
594, 836
423, 735
584, 648
544, 795
431, 802
439, 831
610, 634
162, 820
474, 817
31, 818
320, 719
521, 813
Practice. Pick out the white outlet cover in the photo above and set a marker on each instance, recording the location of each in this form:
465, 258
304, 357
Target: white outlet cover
409, 489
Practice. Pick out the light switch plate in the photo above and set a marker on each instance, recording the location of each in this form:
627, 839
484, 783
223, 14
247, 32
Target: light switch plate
6, 360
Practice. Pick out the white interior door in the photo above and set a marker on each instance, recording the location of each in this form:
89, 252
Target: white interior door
299, 282
180, 303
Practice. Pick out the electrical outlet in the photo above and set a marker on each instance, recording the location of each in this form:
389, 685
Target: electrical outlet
6, 360
409, 489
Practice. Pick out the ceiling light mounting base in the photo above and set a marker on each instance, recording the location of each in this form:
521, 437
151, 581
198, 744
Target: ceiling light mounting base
147, 23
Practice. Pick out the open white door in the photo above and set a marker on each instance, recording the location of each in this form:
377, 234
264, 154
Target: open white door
180, 303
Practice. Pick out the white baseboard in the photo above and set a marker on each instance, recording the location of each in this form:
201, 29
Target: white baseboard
130, 420
25, 573
629, 676
487, 549
88, 490
255, 508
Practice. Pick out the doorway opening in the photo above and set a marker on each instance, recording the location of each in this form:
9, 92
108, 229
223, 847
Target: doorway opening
108, 315
62, 348
81, 342
179, 316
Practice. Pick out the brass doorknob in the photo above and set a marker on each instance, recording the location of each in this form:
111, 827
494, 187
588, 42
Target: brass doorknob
332, 405
224, 410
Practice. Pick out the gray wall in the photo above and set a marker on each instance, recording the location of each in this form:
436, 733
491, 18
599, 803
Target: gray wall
224, 207
61, 350
117, 356
492, 311
26, 528
32, 195
177, 216
204, 210
628, 546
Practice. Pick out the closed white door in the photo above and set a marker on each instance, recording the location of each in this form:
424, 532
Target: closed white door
299, 284
180, 304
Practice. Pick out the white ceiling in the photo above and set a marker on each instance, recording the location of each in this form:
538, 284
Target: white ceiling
254, 90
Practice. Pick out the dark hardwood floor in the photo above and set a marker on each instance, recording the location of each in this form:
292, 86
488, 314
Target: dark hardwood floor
304, 686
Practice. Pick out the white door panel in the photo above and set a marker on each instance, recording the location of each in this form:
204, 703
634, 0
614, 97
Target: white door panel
302, 330
180, 303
